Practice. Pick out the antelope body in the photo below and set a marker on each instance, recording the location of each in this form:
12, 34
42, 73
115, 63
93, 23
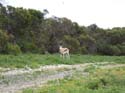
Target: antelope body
64, 52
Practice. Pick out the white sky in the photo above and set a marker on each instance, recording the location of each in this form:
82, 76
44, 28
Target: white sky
104, 13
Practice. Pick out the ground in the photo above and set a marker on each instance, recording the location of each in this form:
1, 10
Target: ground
14, 80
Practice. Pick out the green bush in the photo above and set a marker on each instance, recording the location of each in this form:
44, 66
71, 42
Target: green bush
72, 43
114, 50
28, 46
89, 44
109, 49
93, 84
3, 40
13, 49
83, 50
122, 49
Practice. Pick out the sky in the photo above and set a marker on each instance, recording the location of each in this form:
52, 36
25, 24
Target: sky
103, 13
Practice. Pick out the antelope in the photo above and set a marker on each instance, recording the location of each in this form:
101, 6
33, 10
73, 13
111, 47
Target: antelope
64, 52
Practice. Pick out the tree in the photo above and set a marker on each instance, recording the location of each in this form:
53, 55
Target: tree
28, 30
4, 38
92, 27
72, 43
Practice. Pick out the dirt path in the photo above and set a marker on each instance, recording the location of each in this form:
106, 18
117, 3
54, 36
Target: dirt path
17, 79
41, 80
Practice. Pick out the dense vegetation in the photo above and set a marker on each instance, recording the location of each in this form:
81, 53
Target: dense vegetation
28, 30
100, 81
36, 60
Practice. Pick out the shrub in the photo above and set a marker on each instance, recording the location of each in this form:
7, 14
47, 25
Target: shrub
72, 43
13, 49
3, 40
83, 50
88, 42
114, 50
109, 49
93, 84
28, 46
122, 49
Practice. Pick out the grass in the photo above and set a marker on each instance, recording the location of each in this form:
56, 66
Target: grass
101, 81
35, 60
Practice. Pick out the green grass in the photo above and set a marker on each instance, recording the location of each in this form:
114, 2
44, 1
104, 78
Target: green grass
102, 81
35, 60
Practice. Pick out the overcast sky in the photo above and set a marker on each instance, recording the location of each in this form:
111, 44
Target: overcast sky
104, 13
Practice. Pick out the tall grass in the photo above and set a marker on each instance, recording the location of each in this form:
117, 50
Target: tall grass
35, 60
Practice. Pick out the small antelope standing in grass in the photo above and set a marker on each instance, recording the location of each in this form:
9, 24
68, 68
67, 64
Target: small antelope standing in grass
64, 52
